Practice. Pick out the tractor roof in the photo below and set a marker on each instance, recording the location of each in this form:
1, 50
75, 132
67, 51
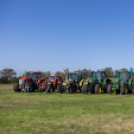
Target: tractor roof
34, 72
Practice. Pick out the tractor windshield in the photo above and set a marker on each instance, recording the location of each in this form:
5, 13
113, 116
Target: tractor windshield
96, 75
33, 75
73, 76
121, 75
103, 75
52, 78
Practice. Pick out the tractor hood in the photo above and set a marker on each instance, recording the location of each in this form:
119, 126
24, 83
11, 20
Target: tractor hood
116, 79
40, 79
23, 80
71, 80
27, 79
91, 79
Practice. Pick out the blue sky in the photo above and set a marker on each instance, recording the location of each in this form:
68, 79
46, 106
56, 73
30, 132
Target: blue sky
51, 35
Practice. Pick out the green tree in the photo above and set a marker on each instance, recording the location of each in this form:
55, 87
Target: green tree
109, 72
85, 73
45, 75
115, 73
0, 73
62, 74
7, 74
123, 69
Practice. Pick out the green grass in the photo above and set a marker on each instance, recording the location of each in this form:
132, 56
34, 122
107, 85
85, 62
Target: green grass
66, 113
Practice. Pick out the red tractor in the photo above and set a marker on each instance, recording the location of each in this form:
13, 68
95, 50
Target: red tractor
52, 84
33, 77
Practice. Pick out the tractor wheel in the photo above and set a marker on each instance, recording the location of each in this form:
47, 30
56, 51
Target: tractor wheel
97, 89
39, 89
59, 87
16, 87
126, 90
84, 89
109, 89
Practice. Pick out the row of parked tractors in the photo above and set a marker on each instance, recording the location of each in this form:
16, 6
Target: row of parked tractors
96, 84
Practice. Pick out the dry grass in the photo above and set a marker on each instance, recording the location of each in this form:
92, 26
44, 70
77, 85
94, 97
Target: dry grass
96, 124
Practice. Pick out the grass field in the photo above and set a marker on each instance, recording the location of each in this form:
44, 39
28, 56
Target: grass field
65, 114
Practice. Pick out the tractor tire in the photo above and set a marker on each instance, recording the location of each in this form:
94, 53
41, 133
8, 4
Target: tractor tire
109, 91
39, 89
97, 89
126, 90
59, 87
84, 89
16, 87
92, 91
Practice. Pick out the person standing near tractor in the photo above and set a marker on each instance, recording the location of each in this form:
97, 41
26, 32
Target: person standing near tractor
28, 86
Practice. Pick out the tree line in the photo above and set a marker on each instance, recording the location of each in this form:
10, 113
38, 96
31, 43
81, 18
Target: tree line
8, 75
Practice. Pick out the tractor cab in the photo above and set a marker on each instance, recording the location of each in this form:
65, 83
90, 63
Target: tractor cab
72, 77
33, 75
99, 75
55, 79
123, 75
72, 82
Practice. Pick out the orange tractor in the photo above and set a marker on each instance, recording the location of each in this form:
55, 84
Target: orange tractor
52, 84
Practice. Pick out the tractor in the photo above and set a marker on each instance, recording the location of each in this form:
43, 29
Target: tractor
52, 83
73, 82
122, 77
96, 83
33, 77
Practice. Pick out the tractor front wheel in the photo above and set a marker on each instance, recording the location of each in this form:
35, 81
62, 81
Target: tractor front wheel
126, 90
16, 87
97, 89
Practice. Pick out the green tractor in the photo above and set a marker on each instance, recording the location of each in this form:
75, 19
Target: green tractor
123, 79
96, 83
73, 82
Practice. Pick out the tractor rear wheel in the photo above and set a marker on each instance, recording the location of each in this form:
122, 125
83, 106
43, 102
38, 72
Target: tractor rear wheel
109, 89
16, 87
97, 89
